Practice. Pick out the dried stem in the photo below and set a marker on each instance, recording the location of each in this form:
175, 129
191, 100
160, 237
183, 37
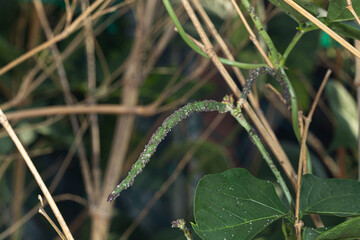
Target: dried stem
34, 211
5, 123
351, 9
91, 74
298, 223
85, 168
266, 132
252, 35
53, 40
323, 27
43, 212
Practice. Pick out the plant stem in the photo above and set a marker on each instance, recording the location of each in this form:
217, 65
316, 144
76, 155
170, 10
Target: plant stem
323, 27
5, 123
290, 47
294, 105
159, 135
196, 48
261, 29
237, 114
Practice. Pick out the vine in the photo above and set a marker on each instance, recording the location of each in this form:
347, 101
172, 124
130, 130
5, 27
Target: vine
185, 112
275, 74
159, 135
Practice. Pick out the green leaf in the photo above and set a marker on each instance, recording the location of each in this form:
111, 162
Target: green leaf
346, 230
350, 29
309, 6
235, 205
339, 197
312, 233
337, 10
343, 106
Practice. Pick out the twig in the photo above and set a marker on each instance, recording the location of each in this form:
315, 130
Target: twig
258, 24
81, 109
91, 74
224, 48
252, 35
298, 223
276, 92
67, 160
42, 212
52, 41
351, 9
266, 132
196, 48
323, 27
5, 123
64, 82
34, 211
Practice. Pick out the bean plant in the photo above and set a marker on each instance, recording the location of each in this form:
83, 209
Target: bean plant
236, 205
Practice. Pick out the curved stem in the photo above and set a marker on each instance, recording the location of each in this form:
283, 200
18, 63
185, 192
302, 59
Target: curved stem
159, 135
196, 48
237, 114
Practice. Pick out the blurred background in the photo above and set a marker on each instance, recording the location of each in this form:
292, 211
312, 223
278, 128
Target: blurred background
86, 105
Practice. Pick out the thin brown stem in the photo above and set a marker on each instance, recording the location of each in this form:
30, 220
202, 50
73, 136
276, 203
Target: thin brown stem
262, 126
252, 35
43, 212
323, 27
91, 74
51, 41
298, 223
5, 123
351, 9
85, 168
34, 211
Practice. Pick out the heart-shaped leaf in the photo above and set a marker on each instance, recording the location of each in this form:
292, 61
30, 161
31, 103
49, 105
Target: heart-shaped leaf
235, 205
339, 197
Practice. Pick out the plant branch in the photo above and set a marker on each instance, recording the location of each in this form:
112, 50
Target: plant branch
196, 48
5, 123
262, 124
298, 224
252, 36
325, 28
51, 41
237, 114
351, 9
290, 47
261, 29
65, 87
